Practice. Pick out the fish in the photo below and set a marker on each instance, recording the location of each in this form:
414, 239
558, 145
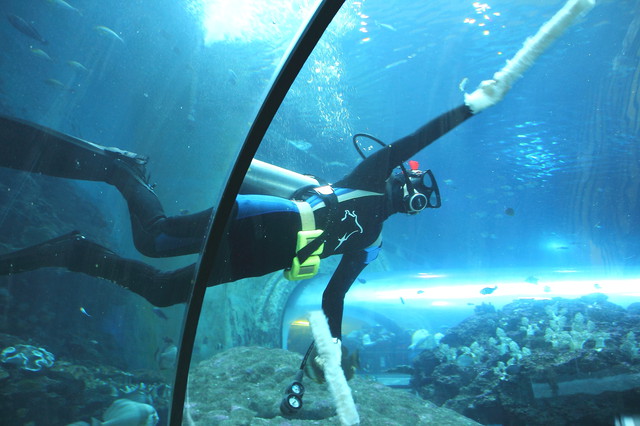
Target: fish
420, 291
386, 26
402, 300
125, 412
159, 313
488, 290
167, 354
232, 77
64, 5
418, 338
395, 64
77, 66
55, 83
463, 84
41, 53
509, 211
84, 311
300, 144
532, 280
25, 28
465, 360
362, 280
108, 32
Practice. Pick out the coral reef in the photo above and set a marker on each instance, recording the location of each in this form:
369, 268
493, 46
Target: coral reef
69, 391
537, 362
27, 357
245, 385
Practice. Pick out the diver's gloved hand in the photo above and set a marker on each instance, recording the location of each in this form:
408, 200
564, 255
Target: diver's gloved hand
314, 368
488, 93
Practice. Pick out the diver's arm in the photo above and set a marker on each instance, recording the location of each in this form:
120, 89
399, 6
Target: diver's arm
345, 274
404, 148
376, 168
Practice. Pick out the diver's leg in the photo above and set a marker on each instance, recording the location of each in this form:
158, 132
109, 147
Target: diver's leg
30, 147
74, 252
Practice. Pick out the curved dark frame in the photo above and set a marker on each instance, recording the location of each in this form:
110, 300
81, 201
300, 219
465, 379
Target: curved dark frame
289, 70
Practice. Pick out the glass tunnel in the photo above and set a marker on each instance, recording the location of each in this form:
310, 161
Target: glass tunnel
451, 189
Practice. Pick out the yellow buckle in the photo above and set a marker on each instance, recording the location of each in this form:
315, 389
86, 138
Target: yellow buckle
309, 267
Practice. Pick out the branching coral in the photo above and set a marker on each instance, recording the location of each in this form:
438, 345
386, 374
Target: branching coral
629, 346
575, 337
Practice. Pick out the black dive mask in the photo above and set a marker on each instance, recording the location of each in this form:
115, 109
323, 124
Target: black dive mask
411, 191
418, 190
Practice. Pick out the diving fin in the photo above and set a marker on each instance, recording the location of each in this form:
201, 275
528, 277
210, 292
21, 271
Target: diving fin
34, 148
52, 253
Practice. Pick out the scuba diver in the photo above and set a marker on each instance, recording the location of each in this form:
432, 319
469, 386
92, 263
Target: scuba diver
265, 233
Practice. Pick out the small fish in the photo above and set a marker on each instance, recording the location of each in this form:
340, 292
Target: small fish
395, 64
386, 26
166, 355
547, 289
597, 286
232, 77
362, 280
160, 313
509, 211
420, 291
532, 280
41, 54
64, 5
84, 311
77, 66
25, 28
300, 144
488, 290
402, 300
463, 84
108, 32
418, 338
54, 83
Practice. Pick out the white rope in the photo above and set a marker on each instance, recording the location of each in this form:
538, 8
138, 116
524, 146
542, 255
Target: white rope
330, 352
490, 92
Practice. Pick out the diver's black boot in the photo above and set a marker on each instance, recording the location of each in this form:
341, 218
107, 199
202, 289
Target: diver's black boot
57, 252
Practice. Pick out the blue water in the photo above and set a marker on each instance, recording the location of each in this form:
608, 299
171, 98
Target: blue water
545, 181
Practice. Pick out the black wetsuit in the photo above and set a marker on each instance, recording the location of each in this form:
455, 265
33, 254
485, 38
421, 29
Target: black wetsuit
262, 230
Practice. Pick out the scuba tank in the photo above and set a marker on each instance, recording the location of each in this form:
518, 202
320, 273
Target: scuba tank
266, 179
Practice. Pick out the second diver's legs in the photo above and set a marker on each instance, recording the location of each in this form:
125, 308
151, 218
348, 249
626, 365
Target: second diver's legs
154, 234
74, 252
37, 149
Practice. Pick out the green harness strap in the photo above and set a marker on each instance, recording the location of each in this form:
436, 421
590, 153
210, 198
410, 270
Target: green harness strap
310, 243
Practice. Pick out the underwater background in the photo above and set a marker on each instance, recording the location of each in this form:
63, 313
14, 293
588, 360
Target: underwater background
503, 306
